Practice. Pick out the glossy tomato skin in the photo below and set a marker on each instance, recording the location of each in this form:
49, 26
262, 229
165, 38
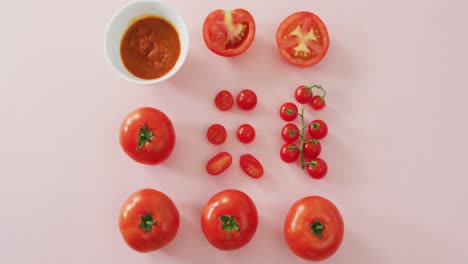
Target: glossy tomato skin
229, 33
304, 215
312, 149
159, 132
246, 133
302, 39
317, 103
289, 152
251, 166
288, 111
318, 129
303, 94
247, 99
224, 100
219, 163
164, 215
317, 169
290, 132
231, 203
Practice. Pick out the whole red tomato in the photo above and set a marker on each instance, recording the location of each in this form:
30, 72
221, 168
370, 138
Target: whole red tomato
147, 136
229, 220
317, 168
149, 220
318, 129
246, 99
314, 228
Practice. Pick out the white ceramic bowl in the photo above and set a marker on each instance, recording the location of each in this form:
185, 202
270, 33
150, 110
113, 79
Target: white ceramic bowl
121, 22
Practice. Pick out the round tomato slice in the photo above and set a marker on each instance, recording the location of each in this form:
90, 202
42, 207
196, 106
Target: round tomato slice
216, 134
251, 166
302, 39
229, 32
224, 100
219, 163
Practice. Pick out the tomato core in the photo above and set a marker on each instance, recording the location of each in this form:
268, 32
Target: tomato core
147, 222
317, 229
229, 224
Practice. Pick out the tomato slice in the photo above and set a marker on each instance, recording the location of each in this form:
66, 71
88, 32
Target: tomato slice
216, 134
302, 39
229, 33
224, 100
219, 163
251, 166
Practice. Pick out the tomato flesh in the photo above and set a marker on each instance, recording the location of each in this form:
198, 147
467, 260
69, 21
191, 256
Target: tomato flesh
224, 100
251, 166
219, 163
216, 134
302, 39
229, 32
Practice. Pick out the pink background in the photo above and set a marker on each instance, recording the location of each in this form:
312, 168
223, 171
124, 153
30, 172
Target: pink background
396, 75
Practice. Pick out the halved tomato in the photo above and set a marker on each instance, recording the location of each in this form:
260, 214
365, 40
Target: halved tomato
229, 32
251, 166
302, 39
219, 163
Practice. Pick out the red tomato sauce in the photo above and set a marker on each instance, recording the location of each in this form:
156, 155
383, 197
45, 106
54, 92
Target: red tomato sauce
150, 47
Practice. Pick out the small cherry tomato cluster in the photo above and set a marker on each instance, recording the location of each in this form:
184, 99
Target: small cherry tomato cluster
298, 144
217, 134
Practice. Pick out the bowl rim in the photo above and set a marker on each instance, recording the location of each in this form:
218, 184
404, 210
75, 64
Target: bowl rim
182, 29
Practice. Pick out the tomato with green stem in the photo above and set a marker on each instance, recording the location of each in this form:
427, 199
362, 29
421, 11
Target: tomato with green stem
314, 228
229, 33
224, 100
149, 220
229, 220
288, 111
311, 149
216, 134
147, 136
302, 39
289, 152
290, 132
317, 168
246, 133
251, 166
318, 101
219, 163
318, 129
303, 94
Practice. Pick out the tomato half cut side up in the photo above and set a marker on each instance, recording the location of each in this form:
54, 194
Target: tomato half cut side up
229, 33
251, 166
302, 39
219, 163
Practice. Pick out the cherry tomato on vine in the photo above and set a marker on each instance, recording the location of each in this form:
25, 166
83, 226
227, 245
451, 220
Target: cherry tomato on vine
314, 228
229, 220
224, 100
229, 33
251, 166
246, 99
246, 133
289, 152
216, 134
317, 168
288, 111
219, 163
318, 129
303, 94
149, 220
317, 102
147, 136
290, 132
312, 149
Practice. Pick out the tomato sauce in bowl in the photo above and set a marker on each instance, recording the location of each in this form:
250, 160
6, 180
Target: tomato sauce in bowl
150, 47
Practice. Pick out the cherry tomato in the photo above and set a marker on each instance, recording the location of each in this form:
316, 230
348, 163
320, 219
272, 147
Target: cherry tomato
216, 134
224, 100
290, 132
149, 220
229, 33
317, 102
303, 94
289, 152
251, 166
302, 39
219, 163
317, 168
312, 149
246, 133
318, 129
288, 111
147, 136
229, 220
246, 99
314, 228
